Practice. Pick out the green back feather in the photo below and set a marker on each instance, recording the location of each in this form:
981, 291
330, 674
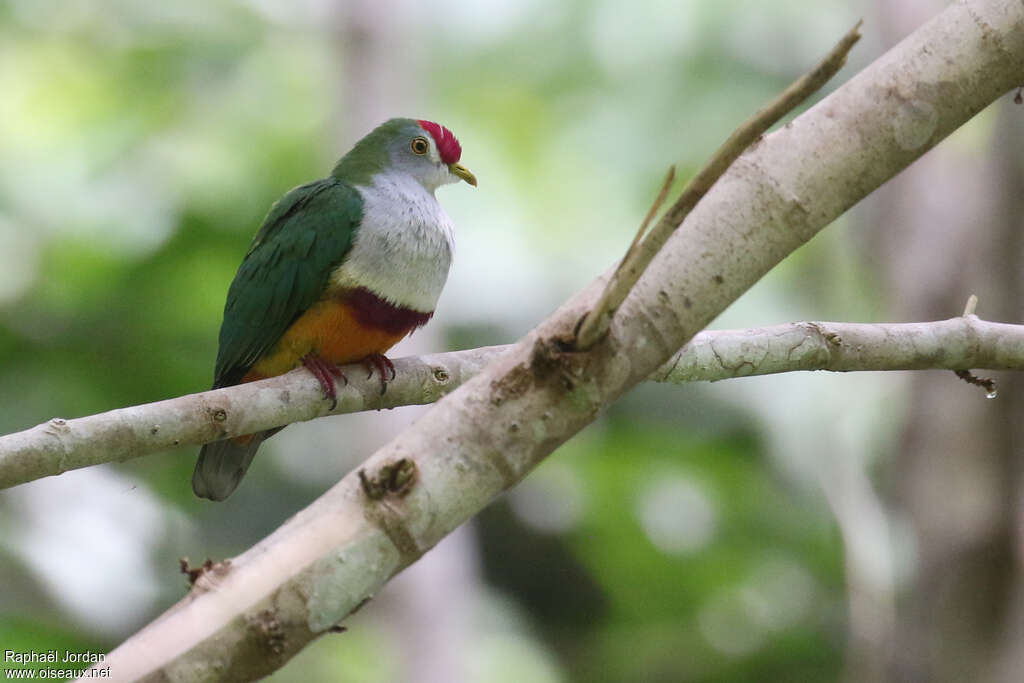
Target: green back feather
303, 239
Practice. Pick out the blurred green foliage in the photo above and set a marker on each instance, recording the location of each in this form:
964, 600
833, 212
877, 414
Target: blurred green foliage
634, 592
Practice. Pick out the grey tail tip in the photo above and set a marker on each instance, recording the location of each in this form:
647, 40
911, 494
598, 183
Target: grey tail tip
221, 466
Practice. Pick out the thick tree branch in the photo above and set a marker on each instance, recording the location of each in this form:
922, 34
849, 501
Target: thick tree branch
59, 445
247, 618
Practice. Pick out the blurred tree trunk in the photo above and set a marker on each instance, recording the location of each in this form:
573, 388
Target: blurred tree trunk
382, 77
950, 226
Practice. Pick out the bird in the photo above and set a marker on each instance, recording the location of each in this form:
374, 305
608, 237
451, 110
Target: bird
340, 270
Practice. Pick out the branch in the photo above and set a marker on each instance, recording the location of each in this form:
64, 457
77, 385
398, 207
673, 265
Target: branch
954, 344
59, 445
639, 255
246, 618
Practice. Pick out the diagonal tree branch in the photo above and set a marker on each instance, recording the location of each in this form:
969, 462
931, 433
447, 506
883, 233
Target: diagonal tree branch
595, 323
60, 445
247, 618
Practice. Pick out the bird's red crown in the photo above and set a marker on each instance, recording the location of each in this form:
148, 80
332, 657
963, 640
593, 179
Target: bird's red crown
447, 145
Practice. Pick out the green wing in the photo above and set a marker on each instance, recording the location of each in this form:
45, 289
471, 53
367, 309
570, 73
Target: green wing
304, 237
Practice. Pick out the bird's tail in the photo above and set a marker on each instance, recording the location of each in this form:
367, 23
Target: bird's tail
222, 464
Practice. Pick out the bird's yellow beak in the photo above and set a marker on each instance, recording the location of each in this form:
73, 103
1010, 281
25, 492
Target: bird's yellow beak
463, 172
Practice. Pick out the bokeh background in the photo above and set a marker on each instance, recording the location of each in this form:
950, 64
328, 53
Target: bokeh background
801, 527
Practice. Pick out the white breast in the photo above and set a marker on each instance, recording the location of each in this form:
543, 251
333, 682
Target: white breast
403, 248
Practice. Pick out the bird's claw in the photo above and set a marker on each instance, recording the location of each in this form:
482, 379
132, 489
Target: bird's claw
384, 367
325, 373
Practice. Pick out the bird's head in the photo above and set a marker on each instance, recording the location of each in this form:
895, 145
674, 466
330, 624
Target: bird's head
427, 151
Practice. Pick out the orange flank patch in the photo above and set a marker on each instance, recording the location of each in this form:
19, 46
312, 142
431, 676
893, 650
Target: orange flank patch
329, 329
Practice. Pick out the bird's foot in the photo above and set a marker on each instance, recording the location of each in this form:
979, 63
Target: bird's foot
325, 373
384, 366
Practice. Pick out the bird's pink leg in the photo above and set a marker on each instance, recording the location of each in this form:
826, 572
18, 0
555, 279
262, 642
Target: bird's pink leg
384, 367
325, 373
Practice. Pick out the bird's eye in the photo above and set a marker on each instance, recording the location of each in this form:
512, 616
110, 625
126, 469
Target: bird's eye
420, 146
